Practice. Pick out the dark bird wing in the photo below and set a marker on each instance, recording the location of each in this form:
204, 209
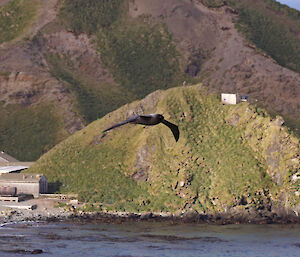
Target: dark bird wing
173, 128
130, 119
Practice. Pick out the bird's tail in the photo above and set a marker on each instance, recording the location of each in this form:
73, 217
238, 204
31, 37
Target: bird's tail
115, 126
130, 119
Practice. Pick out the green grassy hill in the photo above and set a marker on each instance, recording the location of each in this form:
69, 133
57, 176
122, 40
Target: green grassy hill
226, 157
140, 55
28, 132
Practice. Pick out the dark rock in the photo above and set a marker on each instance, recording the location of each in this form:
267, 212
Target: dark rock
37, 251
225, 28
190, 216
146, 216
230, 10
243, 201
192, 69
24, 251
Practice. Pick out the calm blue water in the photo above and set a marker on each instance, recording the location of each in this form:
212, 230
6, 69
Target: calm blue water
149, 239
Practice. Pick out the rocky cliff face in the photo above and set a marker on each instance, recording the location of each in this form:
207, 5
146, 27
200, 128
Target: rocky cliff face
279, 149
21, 88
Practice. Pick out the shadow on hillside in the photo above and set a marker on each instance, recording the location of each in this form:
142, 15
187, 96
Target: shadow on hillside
53, 187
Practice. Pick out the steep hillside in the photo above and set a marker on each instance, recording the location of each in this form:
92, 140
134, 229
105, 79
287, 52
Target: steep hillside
65, 69
228, 158
214, 50
85, 58
37, 110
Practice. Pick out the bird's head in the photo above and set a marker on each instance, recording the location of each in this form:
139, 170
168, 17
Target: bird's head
160, 117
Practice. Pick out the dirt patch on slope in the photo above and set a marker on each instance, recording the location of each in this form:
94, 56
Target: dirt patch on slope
28, 89
191, 27
81, 52
46, 13
4, 2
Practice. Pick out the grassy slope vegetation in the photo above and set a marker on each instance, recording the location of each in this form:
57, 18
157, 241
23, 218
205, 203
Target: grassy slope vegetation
141, 57
93, 99
271, 26
222, 159
26, 132
277, 36
15, 17
274, 28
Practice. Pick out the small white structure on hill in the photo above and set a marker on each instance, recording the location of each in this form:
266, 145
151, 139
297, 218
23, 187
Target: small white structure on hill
233, 98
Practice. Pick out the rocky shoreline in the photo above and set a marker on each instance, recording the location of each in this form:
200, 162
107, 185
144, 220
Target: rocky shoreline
190, 216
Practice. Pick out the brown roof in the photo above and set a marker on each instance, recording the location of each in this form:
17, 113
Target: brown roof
3, 164
20, 177
4, 157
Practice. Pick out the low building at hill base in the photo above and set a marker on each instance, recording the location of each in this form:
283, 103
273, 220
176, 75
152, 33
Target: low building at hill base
30, 184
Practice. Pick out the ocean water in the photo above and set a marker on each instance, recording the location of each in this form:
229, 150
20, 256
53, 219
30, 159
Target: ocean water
148, 239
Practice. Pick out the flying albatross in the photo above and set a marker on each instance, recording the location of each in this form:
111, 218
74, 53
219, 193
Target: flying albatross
148, 120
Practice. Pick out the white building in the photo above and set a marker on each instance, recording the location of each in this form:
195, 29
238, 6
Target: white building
233, 98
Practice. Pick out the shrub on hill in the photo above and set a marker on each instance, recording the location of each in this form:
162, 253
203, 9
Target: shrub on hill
27, 132
89, 15
142, 58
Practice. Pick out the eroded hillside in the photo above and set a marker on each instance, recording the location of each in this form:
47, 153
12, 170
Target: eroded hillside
228, 159
75, 61
222, 58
